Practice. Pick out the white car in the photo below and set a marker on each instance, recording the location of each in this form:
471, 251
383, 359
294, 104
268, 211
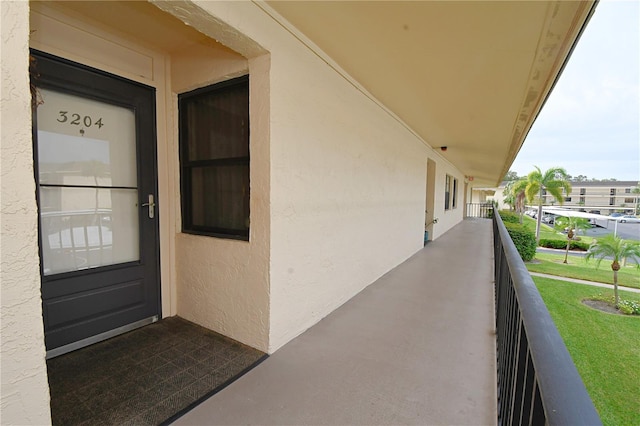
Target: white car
628, 218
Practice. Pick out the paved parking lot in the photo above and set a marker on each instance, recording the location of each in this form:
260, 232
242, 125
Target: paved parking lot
629, 231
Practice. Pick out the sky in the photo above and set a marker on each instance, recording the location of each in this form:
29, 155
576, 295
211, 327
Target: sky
590, 124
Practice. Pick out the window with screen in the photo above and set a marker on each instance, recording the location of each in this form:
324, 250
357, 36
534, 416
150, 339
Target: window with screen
214, 159
450, 192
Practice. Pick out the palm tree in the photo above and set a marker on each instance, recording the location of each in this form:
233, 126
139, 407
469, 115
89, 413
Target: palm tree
614, 248
553, 181
519, 196
572, 225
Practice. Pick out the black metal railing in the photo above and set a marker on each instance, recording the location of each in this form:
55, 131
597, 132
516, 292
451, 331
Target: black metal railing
538, 382
479, 210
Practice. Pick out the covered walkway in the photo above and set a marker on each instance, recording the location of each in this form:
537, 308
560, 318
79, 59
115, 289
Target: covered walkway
416, 347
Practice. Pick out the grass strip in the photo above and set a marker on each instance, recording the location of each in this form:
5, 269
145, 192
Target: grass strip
604, 348
628, 276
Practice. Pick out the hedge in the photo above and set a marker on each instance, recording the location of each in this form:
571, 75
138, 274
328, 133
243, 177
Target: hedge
524, 240
509, 217
562, 244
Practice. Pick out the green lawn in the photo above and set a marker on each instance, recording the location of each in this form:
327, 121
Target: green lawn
577, 267
546, 232
604, 348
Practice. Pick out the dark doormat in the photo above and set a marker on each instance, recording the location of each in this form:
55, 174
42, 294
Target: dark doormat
148, 376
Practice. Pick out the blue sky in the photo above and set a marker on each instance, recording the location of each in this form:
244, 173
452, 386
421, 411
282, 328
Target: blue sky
590, 124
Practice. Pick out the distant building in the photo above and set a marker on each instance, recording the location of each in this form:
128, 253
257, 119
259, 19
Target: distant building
604, 197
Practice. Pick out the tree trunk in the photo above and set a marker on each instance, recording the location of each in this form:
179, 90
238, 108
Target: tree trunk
615, 289
570, 235
539, 218
615, 266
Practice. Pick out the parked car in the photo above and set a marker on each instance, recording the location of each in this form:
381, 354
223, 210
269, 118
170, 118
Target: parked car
549, 219
616, 214
629, 218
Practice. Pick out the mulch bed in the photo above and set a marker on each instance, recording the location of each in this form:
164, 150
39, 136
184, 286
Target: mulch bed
602, 306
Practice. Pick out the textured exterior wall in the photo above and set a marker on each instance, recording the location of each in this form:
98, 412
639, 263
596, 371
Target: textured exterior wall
347, 180
348, 192
447, 218
223, 284
24, 390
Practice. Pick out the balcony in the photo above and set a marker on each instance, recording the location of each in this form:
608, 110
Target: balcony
418, 346
415, 347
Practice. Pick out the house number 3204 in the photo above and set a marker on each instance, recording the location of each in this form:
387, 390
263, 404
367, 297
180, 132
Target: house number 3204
79, 120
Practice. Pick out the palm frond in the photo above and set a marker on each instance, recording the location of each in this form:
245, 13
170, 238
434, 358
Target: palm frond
608, 246
531, 190
556, 192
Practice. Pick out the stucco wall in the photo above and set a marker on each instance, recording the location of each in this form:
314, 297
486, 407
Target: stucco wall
223, 284
447, 218
348, 192
347, 179
24, 391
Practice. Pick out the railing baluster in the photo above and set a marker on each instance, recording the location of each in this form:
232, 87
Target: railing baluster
479, 210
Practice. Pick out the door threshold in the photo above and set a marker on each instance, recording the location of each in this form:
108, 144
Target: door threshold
99, 337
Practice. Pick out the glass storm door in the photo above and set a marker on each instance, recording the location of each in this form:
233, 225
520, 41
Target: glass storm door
94, 139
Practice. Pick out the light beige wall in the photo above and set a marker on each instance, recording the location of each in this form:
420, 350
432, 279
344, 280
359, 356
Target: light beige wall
498, 197
223, 284
447, 218
347, 178
24, 392
348, 193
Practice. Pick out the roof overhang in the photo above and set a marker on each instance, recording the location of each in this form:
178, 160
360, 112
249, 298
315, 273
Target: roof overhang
471, 76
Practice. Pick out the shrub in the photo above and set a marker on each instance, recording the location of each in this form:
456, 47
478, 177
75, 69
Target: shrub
579, 245
553, 244
627, 307
509, 217
524, 240
562, 244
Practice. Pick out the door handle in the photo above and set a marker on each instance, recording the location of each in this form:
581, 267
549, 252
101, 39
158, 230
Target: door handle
151, 204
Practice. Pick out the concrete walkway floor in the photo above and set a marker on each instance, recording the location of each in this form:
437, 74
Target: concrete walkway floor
417, 347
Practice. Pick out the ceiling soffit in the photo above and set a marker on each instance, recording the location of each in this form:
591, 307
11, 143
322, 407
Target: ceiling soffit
471, 76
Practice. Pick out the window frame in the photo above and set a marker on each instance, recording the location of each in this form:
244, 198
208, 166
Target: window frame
447, 192
450, 192
454, 193
187, 165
